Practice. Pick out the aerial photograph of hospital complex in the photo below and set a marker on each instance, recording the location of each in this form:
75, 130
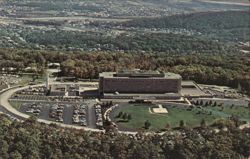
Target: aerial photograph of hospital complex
113, 79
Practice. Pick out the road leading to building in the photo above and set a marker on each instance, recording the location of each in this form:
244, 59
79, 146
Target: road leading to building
6, 105
91, 114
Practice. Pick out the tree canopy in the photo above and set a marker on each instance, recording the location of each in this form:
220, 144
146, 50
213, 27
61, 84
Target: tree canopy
31, 139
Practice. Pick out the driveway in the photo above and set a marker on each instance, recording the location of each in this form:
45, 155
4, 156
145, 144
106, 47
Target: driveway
8, 108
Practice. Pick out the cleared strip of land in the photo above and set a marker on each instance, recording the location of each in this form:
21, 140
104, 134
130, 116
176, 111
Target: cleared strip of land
229, 3
72, 18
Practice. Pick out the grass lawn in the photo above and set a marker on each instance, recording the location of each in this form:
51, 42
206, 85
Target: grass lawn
140, 113
26, 79
16, 104
242, 112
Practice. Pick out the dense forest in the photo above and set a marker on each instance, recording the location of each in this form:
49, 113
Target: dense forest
206, 32
228, 26
221, 69
108, 41
33, 140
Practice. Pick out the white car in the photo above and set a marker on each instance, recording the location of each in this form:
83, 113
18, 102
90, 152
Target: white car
30, 111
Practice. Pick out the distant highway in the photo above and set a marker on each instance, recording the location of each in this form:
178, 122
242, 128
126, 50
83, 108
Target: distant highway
228, 3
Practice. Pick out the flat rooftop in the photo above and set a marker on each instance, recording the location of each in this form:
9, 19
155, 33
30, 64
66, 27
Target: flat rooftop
188, 83
139, 73
57, 87
144, 95
190, 88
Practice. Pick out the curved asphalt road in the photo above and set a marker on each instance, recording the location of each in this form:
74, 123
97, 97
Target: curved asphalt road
5, 107
5, 104
5, 95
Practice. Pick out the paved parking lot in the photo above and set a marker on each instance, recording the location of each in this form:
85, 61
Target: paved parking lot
43, 98
29, 97
69, 110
